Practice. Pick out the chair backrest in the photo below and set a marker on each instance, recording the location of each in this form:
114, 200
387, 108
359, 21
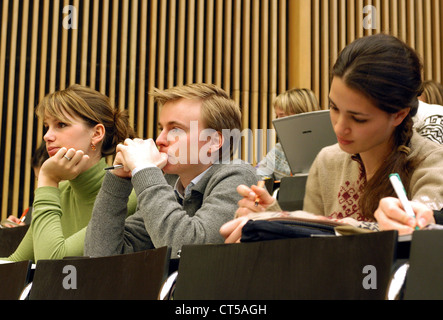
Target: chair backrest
292, 192
127, 276
345, 267
14, 277
424, 279
10, 238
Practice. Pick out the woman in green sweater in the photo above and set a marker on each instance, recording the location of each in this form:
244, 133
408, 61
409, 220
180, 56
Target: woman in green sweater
81, 129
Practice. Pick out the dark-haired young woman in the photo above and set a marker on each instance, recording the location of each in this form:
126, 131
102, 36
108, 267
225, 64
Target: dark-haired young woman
373, 96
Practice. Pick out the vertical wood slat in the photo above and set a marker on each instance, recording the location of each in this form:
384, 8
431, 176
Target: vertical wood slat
427, 35
43, 62
324, 44
255, 78
151, 65
104, 46
218, 47
273, 59
94, 44
113, 57
132, 61
4, 32
299, 65
236, 49
181, 43
440, 26
74, 46
10, 105
411, 20
64, 53
402, 20
171, 42
84, 44
246, 72
351, 17
31, 101
209, 25
270, 139
190, 38
54, 46
333, 31
282, 43
436, 43
227, 35
385, 20
160, 81
199, 43
316, 49
264, 77
121, 64
342, 25
20, 109
141, 100
377, 4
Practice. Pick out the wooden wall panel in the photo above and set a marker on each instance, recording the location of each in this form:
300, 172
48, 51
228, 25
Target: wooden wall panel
124, 48
336, 23
254, 49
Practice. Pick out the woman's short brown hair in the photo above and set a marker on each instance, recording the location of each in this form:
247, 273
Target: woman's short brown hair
91, 106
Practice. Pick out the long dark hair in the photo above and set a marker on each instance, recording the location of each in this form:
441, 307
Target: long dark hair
388, 72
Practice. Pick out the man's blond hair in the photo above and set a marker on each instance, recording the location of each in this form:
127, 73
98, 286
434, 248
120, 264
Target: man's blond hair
218, 111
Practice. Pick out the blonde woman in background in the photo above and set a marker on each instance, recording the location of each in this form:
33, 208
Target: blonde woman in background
428, 121
288, 103
432, 92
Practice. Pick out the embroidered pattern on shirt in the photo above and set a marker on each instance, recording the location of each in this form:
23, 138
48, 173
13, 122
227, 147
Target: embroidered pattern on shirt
349, 195
432, 128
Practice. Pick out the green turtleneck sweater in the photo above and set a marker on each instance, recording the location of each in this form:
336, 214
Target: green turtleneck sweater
60, 217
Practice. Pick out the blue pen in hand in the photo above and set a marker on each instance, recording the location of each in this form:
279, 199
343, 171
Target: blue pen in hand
401, 194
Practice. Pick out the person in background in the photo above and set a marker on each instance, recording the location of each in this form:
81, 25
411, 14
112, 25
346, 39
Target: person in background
185, 181
428, 121
40, 155
82, 128
293, 101
432, 92
373, 97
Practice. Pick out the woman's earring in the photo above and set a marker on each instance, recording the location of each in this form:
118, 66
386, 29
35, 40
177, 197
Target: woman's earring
93, 147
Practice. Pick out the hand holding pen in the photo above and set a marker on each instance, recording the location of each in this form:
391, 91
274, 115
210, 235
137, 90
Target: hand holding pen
401, 194
255, 199
118, 168
402, 215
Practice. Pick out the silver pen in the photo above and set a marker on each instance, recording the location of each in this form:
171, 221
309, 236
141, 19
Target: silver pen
117, 166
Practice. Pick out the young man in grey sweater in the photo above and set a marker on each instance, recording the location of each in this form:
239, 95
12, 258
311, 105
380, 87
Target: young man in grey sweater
185, 182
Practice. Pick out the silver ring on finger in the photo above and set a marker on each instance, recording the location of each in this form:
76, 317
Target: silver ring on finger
65, 156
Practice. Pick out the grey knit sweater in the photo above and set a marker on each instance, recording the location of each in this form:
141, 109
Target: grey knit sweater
160, 220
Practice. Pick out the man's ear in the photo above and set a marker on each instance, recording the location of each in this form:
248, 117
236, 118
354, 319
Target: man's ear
400, 116
216, 142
